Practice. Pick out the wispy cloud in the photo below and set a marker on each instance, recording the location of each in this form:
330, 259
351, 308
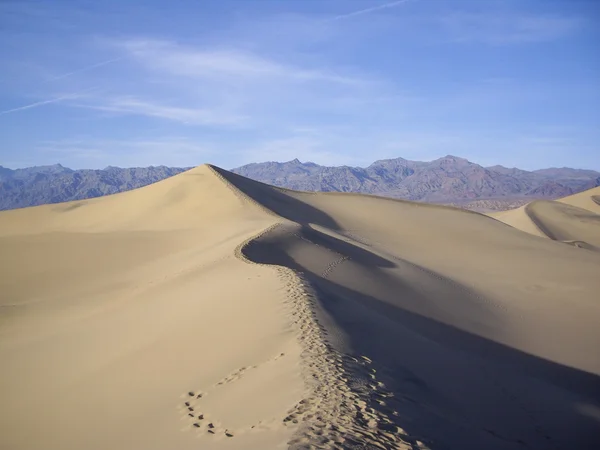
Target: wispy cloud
216, 63
84, 69
369, 10
186, 115
47, 102
502, 29
212, 87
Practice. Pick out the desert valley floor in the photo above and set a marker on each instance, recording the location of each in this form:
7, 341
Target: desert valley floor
209, 311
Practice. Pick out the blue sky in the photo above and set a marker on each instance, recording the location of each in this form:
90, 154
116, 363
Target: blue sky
180, 83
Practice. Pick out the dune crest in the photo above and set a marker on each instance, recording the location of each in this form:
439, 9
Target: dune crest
589, 200
131, 320
212, 311
573, 220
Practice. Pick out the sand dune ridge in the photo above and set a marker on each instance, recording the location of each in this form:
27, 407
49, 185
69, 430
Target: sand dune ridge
574, 220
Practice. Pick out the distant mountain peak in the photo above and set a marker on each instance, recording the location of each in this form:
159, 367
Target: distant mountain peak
49, 166
453, 158
390, 159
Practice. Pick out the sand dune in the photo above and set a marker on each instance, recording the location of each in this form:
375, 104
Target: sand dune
114, 309
573, 220
563, 222
212, 311
589, 200
518, 218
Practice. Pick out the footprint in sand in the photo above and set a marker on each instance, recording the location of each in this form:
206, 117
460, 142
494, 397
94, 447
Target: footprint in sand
194, 404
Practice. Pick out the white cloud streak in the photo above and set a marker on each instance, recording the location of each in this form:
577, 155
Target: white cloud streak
369, 10
216, 64
84, 69
184, 115
222, 88
47, 102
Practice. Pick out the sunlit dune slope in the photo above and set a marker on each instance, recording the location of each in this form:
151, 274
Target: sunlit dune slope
589, 200
518, 218
113, 309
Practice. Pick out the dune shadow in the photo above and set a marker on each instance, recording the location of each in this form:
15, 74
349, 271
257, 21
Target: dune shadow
347, 249
433, 368
70, 206
277, 201
450, 388
563, 222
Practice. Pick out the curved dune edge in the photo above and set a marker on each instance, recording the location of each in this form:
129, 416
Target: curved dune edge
570, 220
589, 200
353, 400
332, 414
519, 219
566, 223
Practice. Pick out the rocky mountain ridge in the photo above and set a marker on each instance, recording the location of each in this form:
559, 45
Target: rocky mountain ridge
448, 180
445, 180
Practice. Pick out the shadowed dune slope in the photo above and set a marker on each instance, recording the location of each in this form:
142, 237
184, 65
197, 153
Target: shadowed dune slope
459, 330
574, 219
563, 222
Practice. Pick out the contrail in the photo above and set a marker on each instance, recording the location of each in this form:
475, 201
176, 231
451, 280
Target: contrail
46, 102
84, 69
369, 10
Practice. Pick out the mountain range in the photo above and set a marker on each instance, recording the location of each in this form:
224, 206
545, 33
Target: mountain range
54, 184
448, 180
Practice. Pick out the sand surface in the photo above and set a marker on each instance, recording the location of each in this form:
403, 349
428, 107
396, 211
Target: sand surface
211, 311
519, 219
573, 220
589, 200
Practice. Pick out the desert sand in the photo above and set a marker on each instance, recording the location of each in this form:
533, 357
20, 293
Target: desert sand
574, 219
209, 311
